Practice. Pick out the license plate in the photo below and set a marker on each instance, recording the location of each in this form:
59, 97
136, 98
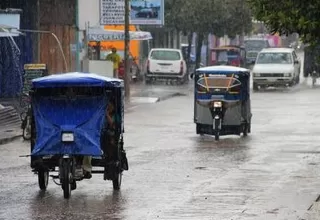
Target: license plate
67, 137
164, 67
217, 97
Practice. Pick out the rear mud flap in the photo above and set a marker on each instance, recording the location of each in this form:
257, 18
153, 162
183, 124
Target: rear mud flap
124, 161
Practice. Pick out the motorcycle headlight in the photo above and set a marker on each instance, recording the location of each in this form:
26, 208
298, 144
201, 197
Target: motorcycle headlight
217, 104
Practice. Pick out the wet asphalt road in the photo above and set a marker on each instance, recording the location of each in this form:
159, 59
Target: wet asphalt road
175, 174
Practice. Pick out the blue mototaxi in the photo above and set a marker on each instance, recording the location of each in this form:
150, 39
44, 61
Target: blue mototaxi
222, 101
69, 122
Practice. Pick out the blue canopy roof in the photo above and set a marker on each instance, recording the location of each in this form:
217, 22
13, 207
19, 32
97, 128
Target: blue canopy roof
223, 69
76, 79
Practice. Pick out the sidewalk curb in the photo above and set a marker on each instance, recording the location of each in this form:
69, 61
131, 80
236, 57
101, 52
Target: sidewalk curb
175, 94
7, 140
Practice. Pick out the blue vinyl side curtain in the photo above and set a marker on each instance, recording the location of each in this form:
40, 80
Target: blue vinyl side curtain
11, 61
11, 64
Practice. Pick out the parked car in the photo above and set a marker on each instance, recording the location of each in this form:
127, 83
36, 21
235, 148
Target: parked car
166, 64
147, 13
276, 67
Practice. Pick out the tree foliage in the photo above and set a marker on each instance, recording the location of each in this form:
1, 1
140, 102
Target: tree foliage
289, 16
219, 17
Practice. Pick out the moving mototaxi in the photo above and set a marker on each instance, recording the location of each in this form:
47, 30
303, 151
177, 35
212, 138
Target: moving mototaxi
222, 101
69, 122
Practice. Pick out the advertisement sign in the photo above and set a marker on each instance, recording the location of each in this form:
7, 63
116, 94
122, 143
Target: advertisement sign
147, 12
9, 22
100, 34
142, 12
32, 71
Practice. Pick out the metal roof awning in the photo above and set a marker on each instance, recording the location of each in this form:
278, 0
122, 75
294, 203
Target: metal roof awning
101, 34
9, 31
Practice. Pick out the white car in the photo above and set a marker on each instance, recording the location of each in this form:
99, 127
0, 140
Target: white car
166, 64
276, 67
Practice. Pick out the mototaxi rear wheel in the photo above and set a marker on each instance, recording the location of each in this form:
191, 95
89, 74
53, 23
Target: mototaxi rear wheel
116, 182
26, 134
26, 129
245, 130
43, 179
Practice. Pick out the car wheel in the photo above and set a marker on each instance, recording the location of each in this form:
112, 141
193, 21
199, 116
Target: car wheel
291, 83
298, 79
255, 87
147, 80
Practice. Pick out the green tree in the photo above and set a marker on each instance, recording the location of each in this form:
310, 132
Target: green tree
288, 16
203, 17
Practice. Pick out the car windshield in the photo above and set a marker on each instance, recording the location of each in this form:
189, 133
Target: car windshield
255, 44
274, 58
165, 55
218, 82
252, 54
227, 55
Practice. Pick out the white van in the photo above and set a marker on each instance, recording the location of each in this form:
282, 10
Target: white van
276, 67
167, 64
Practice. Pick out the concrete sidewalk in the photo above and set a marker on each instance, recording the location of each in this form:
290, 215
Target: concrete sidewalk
145, 94
9, 124
8, 134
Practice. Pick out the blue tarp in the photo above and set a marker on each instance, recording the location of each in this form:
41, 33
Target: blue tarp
11, 65
84, 117
76, 79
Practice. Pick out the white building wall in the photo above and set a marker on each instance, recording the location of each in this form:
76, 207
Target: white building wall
89, 12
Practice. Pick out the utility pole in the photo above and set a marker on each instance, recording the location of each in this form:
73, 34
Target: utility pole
127, 50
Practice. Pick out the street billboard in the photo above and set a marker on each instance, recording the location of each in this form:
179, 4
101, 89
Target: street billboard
142, 12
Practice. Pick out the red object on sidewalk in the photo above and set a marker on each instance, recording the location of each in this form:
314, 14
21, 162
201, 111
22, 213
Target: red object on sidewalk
121, 70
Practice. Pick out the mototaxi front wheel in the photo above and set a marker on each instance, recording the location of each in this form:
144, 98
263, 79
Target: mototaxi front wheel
216, 135
216, 132
217, 125
43, 179
66, 179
